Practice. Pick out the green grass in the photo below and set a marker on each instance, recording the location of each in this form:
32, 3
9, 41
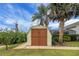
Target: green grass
9, 46
72, 44
38, 52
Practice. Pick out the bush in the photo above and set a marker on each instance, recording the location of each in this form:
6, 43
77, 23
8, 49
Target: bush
20, 37
73, 36
67, 38
56, 37
12, 37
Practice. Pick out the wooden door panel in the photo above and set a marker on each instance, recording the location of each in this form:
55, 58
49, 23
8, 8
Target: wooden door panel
43, 41
34, 33
43, 32
34, 42
39, 37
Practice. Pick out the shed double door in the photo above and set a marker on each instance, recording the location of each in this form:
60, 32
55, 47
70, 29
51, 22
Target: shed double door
39, 37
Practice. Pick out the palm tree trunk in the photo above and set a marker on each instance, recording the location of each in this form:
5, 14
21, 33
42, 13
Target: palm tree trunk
61, 31
46, 21
41, 22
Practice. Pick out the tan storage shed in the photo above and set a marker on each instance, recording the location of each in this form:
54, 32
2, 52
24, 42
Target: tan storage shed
39, 36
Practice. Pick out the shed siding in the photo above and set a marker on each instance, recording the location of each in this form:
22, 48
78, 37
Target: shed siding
39, 37
49, 40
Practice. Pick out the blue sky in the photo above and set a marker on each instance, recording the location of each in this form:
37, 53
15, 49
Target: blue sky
22, 13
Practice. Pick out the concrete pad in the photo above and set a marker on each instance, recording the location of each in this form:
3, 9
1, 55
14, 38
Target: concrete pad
24, 46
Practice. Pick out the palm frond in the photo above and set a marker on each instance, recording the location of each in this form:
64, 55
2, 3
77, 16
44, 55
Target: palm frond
36, 16
63, 10
42, 11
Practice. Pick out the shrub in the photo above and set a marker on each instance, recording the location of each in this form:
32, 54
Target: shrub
12, 37
20, 37
56, 37
8, 38
73, 36
67, 38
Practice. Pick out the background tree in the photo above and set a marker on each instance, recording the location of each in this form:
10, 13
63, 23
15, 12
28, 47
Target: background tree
41, 15
62, 12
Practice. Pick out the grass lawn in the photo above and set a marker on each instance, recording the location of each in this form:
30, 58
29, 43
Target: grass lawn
40, 52
72, 44
37, 52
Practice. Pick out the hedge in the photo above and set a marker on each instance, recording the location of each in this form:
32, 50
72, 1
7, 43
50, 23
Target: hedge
67, 37
12, 37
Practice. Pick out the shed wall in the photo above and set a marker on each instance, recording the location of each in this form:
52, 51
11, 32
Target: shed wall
49, 40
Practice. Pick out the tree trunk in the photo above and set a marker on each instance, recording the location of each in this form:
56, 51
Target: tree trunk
6, 46
61, 31
41, 22
46, 21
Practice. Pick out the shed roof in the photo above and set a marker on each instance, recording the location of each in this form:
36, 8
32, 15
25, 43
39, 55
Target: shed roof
39, 26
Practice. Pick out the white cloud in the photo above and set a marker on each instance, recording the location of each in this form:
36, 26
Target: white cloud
56, 24
10, 6
10, 21
45, 4
25, 14
23, 18
3, 26
53, 25
36, 22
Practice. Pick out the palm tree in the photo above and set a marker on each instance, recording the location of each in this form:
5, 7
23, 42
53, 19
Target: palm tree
62, 12
41, 14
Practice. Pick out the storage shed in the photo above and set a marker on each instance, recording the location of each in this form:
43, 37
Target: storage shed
39, 36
